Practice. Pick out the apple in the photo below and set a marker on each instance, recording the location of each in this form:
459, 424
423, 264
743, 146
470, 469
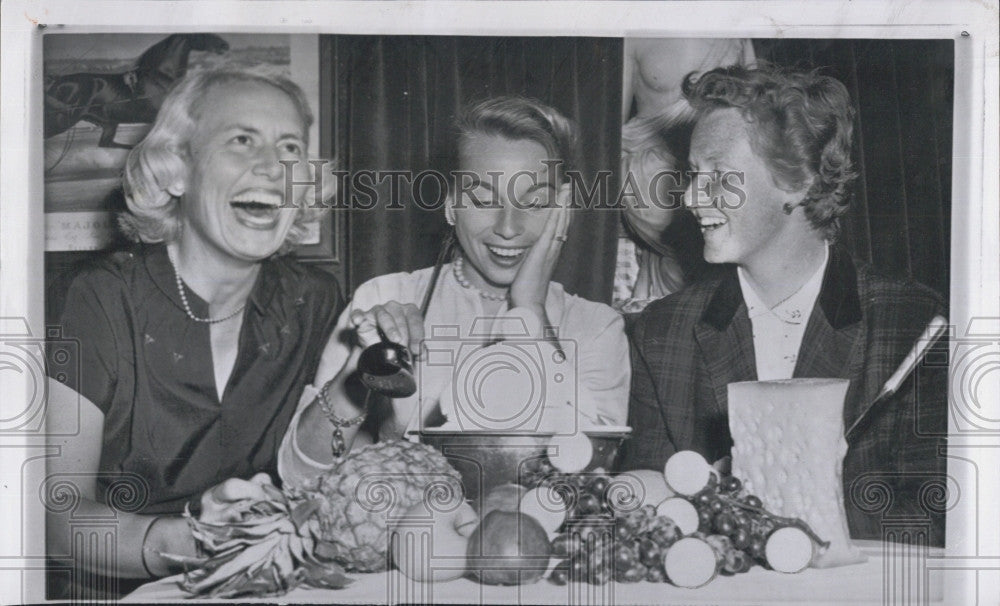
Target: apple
547, 507
508, 548
505, 497
429, 545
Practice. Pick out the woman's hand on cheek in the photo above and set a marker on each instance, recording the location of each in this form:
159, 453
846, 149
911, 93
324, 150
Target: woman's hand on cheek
400, 323
531, 284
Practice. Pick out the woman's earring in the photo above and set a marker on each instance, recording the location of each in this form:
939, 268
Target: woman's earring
789, 208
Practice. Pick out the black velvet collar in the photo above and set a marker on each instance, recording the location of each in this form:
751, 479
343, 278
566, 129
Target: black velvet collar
838, 297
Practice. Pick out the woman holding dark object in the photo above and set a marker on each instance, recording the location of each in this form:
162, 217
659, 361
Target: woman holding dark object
194, 346
495, 297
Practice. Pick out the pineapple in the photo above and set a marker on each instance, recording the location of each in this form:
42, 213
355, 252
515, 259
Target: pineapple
378, 483
311, 536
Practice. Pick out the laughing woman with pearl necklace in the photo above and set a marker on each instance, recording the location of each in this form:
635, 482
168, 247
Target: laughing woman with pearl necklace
495, 297
195, 345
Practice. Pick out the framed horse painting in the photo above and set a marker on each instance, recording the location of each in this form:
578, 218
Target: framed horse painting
101, 95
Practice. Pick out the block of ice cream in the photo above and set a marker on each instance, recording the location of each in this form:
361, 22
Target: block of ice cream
788, 448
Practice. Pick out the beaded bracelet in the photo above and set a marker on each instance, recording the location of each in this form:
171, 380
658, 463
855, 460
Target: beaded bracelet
337, 445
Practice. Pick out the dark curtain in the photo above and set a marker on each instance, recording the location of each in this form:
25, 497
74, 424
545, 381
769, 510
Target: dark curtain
396, 97
900, 217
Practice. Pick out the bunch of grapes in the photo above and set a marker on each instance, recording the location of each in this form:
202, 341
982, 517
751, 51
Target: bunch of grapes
752, 534
534, 472
628, 547
586, 493
603, 539
725, 511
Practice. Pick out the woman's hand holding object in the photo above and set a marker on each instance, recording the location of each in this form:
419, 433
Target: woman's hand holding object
227, 501
401, 323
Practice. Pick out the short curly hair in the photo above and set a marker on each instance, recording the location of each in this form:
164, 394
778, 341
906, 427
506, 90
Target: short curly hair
802, 125
158, 161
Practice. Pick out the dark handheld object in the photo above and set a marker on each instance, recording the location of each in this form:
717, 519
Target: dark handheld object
387, 368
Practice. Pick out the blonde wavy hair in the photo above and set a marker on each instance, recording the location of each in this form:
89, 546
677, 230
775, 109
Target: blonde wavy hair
158, 162
522, 118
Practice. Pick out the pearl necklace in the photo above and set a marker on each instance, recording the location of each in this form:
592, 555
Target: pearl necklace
458, 268
187, 306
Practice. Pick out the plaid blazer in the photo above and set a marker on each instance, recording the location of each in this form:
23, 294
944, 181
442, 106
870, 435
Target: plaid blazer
686, 349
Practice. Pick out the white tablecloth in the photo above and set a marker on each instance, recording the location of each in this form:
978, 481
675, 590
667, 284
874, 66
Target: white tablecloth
893, 574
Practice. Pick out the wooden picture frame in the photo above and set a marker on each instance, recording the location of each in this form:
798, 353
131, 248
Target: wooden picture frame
331, 226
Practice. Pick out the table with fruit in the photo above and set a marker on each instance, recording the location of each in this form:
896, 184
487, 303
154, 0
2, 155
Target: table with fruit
389, 524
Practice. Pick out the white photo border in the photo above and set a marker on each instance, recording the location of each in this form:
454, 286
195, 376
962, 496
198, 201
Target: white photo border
972, 542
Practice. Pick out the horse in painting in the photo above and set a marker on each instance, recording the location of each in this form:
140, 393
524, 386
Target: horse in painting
132, 96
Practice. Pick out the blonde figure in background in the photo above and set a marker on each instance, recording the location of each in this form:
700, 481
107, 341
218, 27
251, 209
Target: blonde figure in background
655, 138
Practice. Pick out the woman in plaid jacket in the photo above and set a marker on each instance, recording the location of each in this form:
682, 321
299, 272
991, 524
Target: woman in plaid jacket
771, 151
